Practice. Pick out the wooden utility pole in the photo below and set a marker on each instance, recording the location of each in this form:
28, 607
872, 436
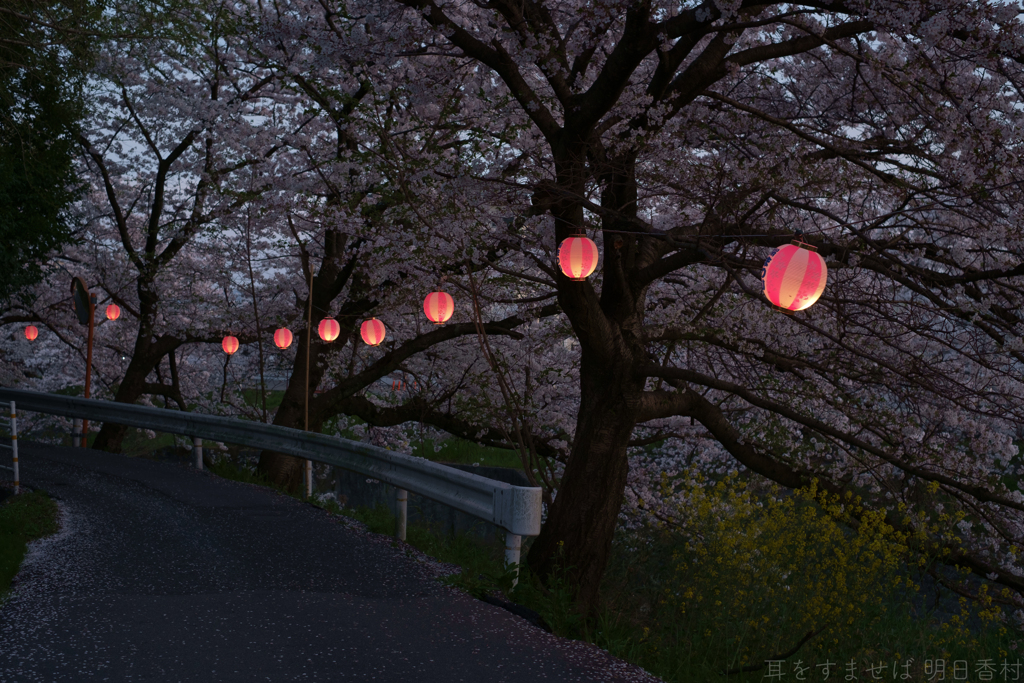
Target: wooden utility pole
305, 424
85, 308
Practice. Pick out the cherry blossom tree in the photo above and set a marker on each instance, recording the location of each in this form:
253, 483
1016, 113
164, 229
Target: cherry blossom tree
390, 149
176, 125
362, 213
693, 138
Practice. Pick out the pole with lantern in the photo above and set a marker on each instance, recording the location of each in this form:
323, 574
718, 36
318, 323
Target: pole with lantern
308, 470
85, 308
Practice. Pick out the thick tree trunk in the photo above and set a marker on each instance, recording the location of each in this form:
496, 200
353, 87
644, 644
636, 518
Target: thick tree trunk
577, 535
133, 386
286, 470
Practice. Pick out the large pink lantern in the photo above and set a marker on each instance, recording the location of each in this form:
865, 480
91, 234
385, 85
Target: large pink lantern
113, 312
31, 332
329, 329
577, 256
439, 307
230, 344
283, 338
794, 277
372, 331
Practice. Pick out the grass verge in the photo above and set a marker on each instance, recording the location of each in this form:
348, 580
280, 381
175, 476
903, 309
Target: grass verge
23, 518
684, 611
640, 622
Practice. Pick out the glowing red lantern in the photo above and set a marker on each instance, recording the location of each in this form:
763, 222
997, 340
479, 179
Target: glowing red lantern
577, 257
329, 329
794, 277
31, 332
438, 306
372, 331
230, 345
283, 338
113, 312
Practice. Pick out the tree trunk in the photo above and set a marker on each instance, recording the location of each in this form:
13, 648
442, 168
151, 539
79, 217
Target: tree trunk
133, 386
286, 470
577, 535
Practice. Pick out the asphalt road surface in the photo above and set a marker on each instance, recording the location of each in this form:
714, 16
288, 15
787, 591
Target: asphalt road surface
162, 573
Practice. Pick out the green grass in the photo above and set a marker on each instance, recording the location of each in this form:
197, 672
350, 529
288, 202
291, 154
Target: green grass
136, 443
631, 624
253, 399
481, 562
636, 623
228, 469
23, 518
460, 451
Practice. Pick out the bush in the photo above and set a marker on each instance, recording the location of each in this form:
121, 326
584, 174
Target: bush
23, 518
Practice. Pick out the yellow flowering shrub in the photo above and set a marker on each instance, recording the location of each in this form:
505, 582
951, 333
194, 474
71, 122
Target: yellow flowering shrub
760, 574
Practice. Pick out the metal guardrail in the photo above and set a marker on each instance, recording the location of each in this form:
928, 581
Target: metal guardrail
10, 419
517, 509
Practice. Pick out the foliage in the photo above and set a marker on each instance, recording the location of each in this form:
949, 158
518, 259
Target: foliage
228, 469
738, 578
689, 604
387, 149
45, 53
460, 451
23, 518
772, 572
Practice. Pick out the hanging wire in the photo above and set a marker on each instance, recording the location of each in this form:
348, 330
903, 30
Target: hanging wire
922, 207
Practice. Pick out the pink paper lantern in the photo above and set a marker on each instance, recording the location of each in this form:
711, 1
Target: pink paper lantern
329, 329
230, 344
283, 338
31, 332
439, 307
794, 277
113, 312
577, 256
372, 331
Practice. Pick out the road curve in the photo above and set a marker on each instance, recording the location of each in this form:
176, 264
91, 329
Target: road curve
162, 573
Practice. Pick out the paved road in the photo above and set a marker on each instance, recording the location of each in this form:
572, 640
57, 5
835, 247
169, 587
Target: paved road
162, 573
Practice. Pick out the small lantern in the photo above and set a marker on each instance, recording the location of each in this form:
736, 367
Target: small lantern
794, 277
577, 257
329, 329
283, 338
113, 312
439, 307
230, 344
372, 331
31, 332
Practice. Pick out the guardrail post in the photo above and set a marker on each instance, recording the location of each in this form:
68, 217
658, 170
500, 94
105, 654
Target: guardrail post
14, 446
309, 479
402, 500
76, 432
512, 547
197, 449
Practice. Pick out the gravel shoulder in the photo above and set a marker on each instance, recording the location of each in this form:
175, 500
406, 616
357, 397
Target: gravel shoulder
163, 573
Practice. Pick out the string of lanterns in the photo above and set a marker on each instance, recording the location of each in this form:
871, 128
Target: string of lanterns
113, 313
793, 277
